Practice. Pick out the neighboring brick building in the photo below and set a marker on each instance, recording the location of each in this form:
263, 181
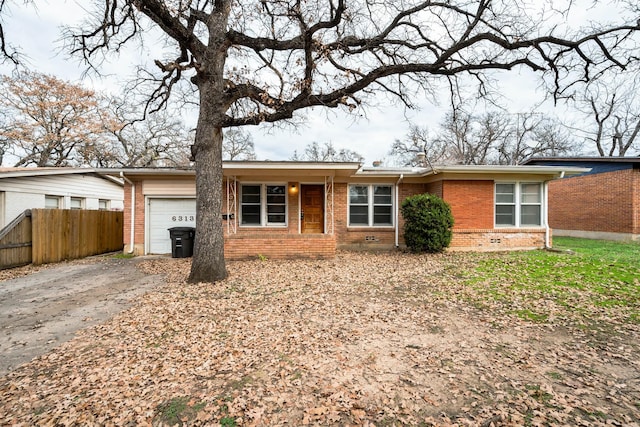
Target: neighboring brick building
309, 209
603, 203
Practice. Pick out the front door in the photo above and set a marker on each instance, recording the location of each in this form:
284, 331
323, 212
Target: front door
312, 208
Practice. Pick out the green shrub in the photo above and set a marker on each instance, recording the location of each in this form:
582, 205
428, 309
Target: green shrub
427, 223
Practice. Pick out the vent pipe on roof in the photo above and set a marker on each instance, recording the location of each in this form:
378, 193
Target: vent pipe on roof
376, 163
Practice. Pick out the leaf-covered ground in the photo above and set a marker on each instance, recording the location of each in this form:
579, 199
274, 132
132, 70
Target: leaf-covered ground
363, 339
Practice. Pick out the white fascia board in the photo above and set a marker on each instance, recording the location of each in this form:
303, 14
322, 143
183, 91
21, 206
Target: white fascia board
25, 172
499, 169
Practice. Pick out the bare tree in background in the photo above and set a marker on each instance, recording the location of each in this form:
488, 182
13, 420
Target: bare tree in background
534, 134
494, 137
418, 141
238, 145
160, 140
326, 152
262, 61
611, 114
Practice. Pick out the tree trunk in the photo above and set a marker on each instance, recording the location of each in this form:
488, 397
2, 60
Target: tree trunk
208, 263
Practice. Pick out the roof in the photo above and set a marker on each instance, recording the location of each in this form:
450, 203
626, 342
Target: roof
343, 169
595, 164
592, 159
11, 172
474, 170
24, 172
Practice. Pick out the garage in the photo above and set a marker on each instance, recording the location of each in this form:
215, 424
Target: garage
165, 213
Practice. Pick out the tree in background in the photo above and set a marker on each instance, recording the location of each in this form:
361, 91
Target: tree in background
493, 137
326, 152
419, 142
238, 145
610, 116
132, 140
256, 61
47, 121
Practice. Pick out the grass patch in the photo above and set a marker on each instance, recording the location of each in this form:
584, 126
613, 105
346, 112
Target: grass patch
594, 277
177, 410
123, 256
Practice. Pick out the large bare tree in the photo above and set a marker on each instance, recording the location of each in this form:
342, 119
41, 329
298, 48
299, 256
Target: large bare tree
264, 60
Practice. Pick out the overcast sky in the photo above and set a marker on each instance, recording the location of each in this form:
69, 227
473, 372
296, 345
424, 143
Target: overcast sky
370, 133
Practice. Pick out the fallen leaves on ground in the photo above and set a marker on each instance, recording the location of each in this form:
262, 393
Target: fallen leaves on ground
363, 339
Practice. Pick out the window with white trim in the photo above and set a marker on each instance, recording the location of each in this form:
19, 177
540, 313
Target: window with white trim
51, 202
76, 203
370, 205
518, 204
103, 204
263, 205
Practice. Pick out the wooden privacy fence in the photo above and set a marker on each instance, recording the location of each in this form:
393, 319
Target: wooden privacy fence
59, 234
15, 242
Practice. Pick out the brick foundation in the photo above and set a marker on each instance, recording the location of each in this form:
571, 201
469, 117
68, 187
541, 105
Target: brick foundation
497, 239
279, 245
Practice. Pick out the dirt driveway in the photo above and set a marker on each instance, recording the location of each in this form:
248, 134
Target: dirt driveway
44, 307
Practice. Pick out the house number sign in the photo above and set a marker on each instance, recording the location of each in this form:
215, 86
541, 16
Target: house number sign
181, 218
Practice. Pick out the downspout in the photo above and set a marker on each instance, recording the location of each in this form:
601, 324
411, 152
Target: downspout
133, 211
397, 208
547, 230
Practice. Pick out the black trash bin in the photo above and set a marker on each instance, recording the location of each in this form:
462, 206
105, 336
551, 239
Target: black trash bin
182, 241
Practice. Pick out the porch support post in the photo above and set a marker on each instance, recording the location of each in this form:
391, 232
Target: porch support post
328, 203
232, 202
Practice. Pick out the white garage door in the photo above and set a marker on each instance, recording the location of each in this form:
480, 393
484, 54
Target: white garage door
164, 214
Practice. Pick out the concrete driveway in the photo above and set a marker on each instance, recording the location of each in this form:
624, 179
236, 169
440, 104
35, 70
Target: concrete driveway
41, 310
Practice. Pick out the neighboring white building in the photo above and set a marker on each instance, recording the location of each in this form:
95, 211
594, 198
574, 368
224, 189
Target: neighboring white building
56, 188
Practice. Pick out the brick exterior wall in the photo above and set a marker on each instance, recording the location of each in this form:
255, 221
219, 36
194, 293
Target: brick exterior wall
279, 245
604, 202
471, 203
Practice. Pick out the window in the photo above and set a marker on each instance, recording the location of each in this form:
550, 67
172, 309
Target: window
76, 203
518, 204
506, 204
263, 205
52, 202
370, 205
103, 205
530, 204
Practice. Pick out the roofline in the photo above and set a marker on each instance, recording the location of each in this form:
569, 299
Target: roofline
502, 169
469, 169
354, 167
37, 171
596, 159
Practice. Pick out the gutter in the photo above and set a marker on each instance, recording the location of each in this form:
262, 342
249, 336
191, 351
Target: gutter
397, 210
133, 211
